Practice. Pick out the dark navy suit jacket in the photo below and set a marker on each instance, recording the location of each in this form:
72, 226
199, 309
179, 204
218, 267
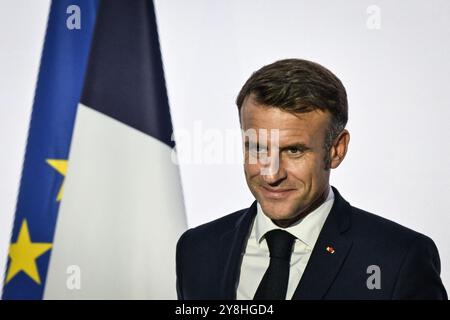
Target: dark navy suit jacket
209, 257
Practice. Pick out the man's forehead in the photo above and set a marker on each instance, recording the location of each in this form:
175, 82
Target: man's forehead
283, 136
267, 123
288, 125
262, 116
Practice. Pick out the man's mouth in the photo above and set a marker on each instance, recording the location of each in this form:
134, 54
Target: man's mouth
276, 193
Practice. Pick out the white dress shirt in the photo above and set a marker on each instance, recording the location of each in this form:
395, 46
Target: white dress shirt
256, 256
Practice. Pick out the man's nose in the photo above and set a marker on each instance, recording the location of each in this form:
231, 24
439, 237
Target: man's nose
273, 172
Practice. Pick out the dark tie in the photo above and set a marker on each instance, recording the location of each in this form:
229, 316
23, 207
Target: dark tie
274, 284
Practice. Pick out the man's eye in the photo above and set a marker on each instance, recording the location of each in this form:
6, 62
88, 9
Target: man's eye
294, 151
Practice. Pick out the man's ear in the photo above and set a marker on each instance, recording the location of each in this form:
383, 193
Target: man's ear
339, 149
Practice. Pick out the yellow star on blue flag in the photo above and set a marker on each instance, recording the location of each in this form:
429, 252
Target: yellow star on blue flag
23, 254
59, 165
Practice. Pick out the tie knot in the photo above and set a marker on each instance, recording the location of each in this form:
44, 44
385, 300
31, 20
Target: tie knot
280, 244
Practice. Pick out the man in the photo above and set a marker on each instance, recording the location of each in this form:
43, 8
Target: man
301, 239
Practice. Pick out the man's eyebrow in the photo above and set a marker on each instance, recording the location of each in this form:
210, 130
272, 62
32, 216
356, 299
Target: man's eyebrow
299, 146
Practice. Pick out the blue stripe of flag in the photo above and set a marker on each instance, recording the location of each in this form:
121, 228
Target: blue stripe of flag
58, 91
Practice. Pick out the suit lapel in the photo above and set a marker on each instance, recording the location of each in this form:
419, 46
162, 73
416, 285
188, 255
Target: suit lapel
323, 265
232, 245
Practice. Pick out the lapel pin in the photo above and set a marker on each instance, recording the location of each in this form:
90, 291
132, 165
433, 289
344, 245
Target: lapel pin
330, 250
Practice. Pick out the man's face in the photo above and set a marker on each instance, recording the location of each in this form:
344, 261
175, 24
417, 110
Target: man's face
291, 187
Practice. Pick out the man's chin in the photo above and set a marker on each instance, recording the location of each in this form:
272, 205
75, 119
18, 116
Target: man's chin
276, 211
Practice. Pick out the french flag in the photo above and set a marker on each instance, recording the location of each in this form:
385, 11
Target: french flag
122, 208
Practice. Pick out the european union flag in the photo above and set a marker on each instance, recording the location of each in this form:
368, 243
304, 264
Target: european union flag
62, 69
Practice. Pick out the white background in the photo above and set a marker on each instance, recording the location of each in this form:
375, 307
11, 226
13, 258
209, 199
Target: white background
397, 79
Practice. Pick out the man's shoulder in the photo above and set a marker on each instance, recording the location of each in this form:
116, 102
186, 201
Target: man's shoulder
213, 230
400, 252
369, 225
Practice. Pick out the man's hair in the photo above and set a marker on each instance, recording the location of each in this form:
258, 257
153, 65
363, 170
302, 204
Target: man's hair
300, 86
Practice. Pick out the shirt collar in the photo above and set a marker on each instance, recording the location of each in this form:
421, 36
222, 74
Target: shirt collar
306, 230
